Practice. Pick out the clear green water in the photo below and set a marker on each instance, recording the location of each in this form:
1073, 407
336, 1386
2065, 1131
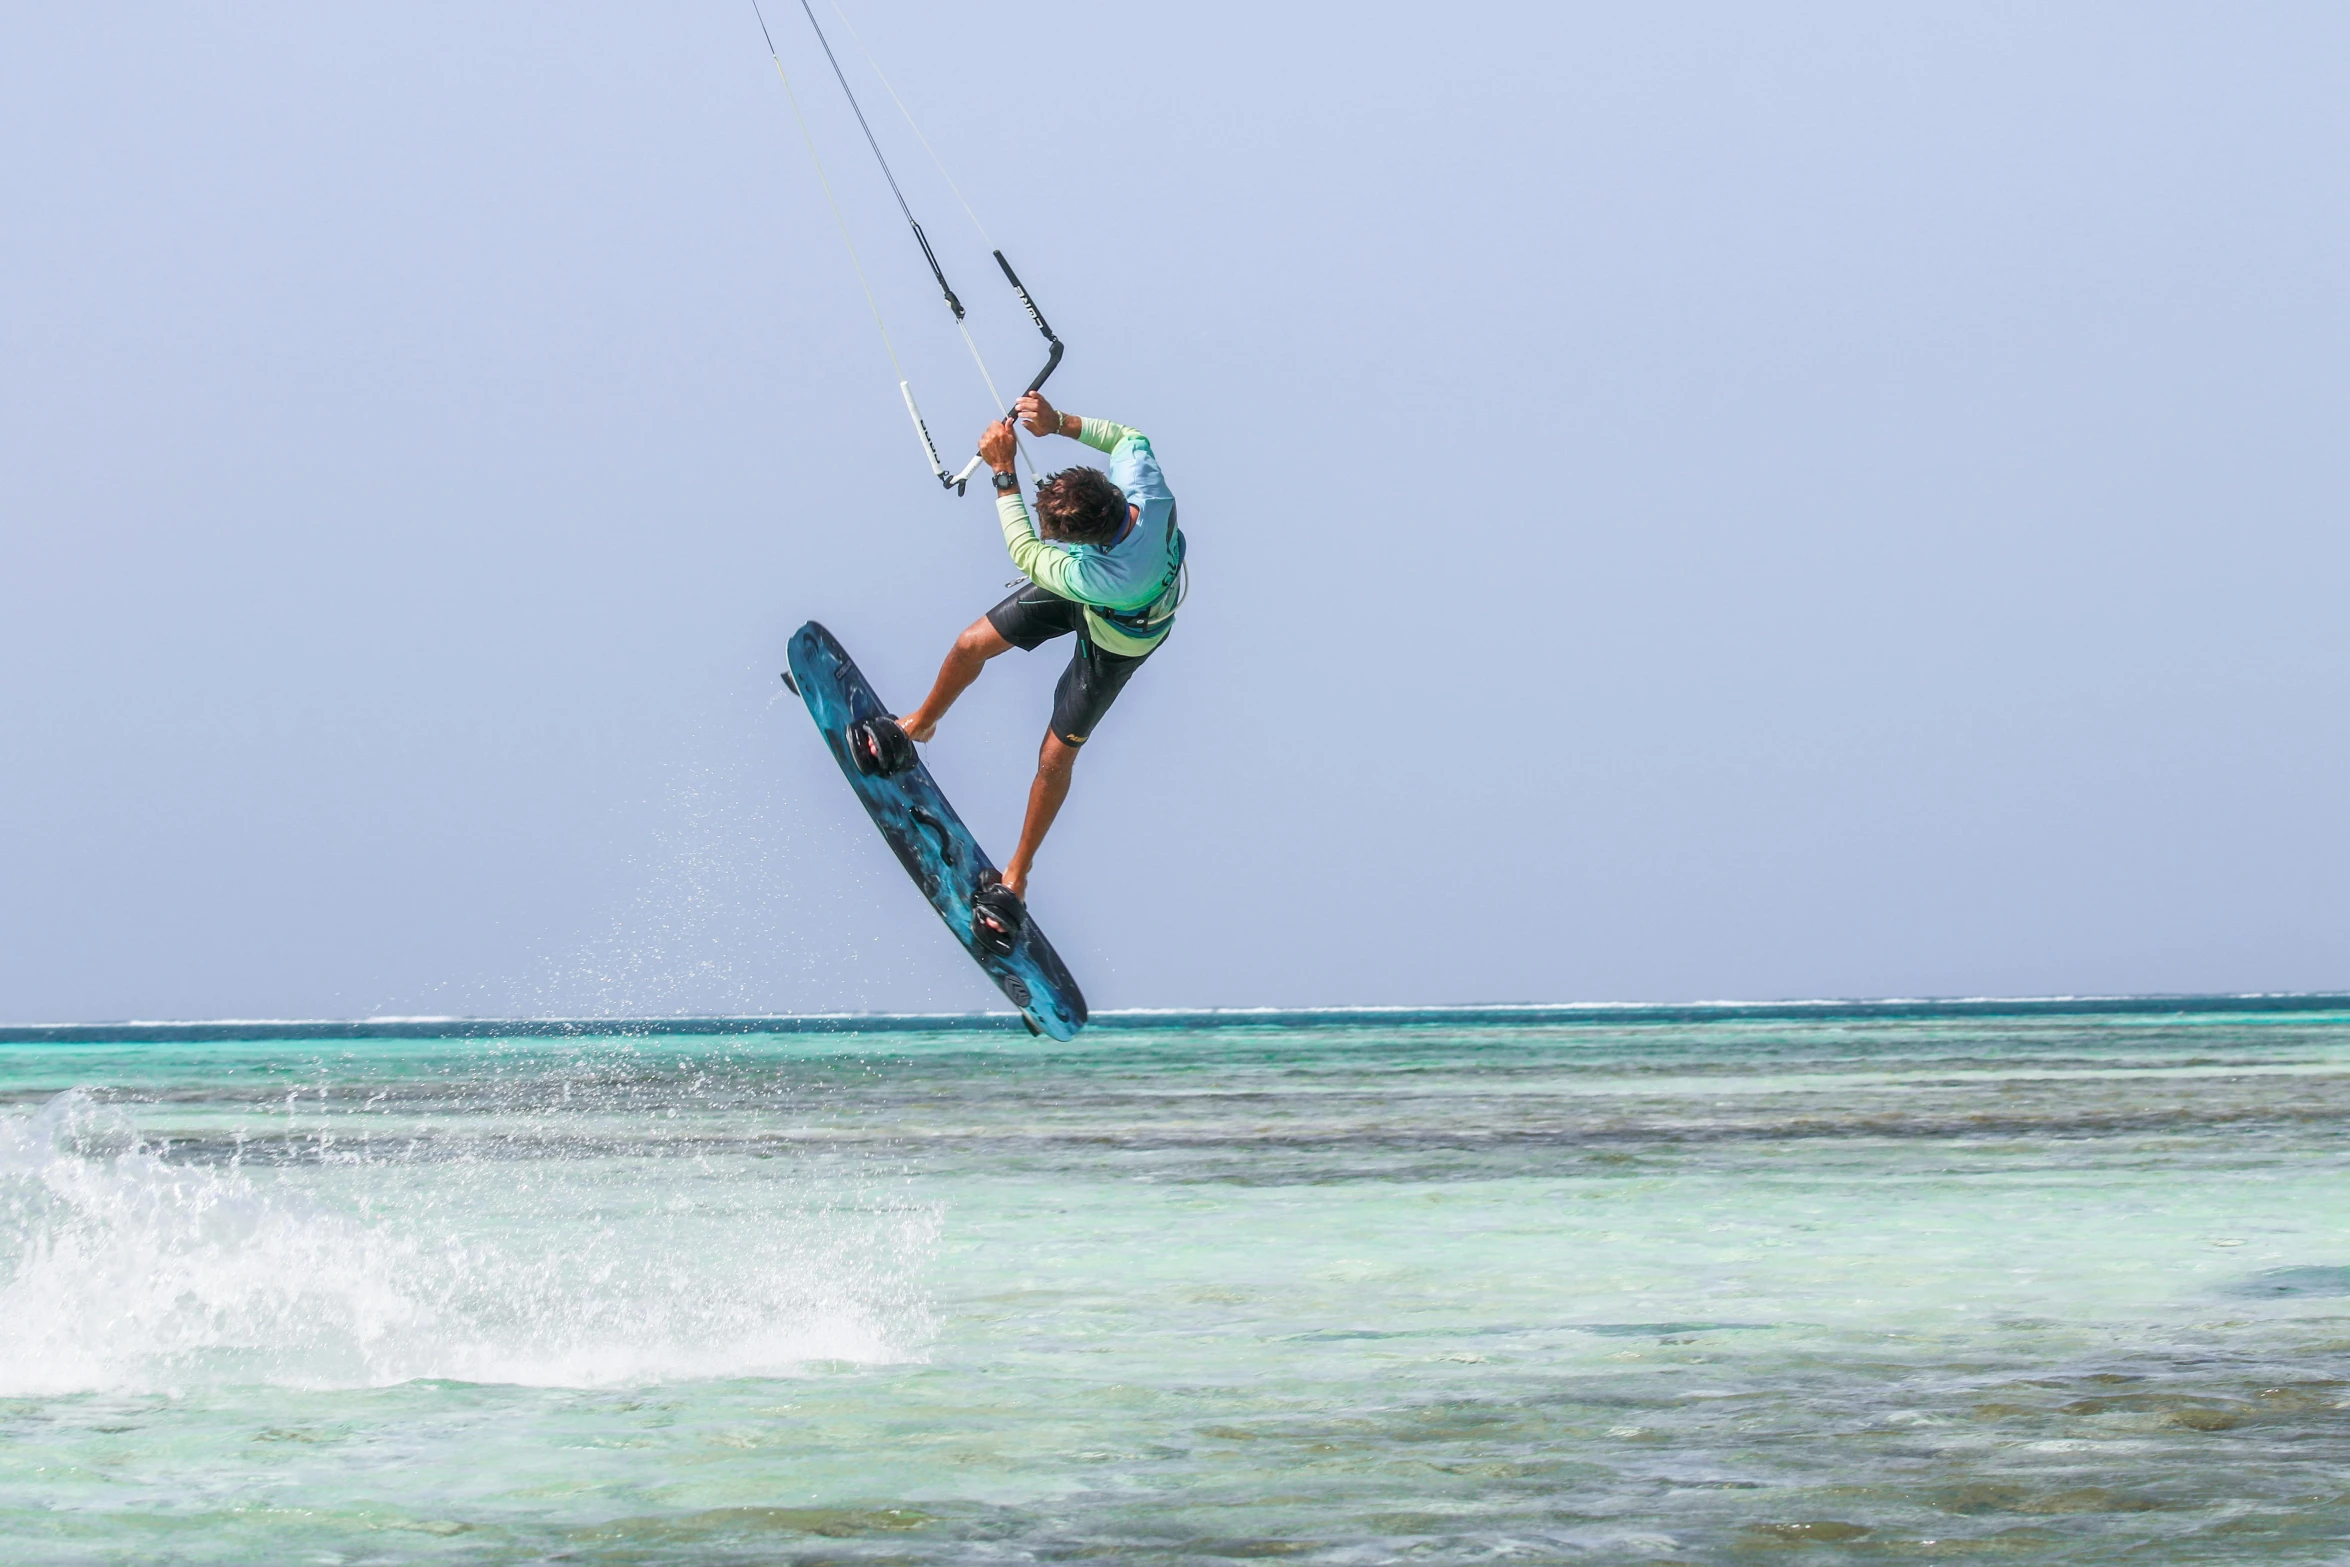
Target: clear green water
2045, 1289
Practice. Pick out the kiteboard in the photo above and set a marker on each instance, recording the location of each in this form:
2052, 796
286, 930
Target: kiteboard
929, 839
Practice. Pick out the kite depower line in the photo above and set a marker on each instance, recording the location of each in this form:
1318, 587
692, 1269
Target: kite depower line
952, 481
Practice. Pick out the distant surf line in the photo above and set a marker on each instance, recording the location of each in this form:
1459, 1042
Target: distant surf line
1531, 1014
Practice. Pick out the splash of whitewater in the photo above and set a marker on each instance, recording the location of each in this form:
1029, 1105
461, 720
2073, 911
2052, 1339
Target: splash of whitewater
123, 1268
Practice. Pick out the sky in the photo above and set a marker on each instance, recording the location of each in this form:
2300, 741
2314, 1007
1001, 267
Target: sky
1685, 501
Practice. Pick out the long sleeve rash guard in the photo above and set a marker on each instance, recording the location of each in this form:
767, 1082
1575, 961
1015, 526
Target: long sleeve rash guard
1135, 573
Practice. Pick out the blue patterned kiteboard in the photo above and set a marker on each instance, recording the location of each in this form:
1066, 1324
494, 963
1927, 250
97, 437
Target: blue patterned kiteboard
931, 841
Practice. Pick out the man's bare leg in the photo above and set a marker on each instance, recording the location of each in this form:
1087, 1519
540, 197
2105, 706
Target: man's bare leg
979, 642
1054, 764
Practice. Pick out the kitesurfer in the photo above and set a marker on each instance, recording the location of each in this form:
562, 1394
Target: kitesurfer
1104, 560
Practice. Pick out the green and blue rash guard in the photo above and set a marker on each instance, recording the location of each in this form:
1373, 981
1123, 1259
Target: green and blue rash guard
1128, 587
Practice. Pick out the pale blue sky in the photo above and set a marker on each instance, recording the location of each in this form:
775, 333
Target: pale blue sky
1687, 500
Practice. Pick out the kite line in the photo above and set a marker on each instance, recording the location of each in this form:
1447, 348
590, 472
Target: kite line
955, 481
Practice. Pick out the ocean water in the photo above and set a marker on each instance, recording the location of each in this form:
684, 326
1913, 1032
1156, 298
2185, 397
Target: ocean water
1808, 1284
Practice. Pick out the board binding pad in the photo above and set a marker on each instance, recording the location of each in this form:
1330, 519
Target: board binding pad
929, 839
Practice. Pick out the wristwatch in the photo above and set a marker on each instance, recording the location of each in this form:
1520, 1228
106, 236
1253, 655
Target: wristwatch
1007, 483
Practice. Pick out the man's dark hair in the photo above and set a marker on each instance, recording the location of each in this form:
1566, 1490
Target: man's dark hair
1080, 506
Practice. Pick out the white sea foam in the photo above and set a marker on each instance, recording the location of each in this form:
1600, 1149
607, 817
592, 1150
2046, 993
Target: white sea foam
124, 1269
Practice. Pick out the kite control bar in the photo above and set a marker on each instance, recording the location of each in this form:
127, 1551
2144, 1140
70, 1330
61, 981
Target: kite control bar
1053, 360
951, 481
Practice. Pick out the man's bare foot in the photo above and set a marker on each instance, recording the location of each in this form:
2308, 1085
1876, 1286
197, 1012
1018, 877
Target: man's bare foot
1016, 882
918, 727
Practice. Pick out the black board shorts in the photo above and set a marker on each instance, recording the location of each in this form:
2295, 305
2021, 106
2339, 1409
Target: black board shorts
1034, 616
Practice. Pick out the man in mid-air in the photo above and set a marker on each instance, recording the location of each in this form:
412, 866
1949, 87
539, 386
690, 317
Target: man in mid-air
1104, 560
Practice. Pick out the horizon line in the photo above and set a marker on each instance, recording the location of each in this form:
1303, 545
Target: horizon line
1522, 1013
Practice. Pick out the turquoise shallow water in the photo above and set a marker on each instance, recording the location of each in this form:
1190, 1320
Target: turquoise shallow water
1943, 1286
